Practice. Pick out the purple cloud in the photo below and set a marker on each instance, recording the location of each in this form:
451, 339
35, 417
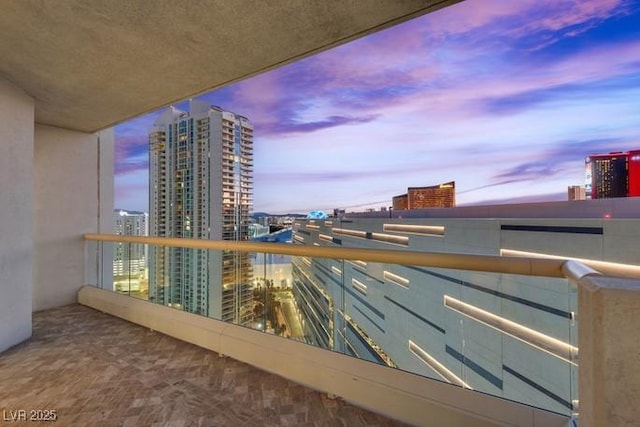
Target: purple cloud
329, 122
525, 88
554, 161
131, 153
527, 172
315, 177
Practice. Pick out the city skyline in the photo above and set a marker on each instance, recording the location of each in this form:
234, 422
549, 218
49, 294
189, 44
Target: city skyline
505, 98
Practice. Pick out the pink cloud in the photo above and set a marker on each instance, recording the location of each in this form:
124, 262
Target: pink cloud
559, 15
132, 192
525, 16
131, 152
457, 92
411, 55
472, 14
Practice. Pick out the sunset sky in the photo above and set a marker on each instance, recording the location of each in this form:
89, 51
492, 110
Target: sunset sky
504, 97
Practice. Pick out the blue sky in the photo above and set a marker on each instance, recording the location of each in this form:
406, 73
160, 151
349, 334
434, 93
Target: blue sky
504, 97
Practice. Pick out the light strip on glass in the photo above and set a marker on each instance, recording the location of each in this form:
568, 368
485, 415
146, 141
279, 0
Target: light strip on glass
357, 263
313, 227
395, 279
336, 270
390, 238
428, 230
298, 238
316, 244
359, 286
306, 261
328, 223
381, 237
326, 237
437, 367
347, 232
550, 345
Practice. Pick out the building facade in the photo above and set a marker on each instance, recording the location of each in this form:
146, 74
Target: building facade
130, 260
201, 167
613, 175
576, 192
485, 331
435, 196
400, 202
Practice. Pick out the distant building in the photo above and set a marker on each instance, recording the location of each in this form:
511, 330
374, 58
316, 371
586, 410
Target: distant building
435, 196
339, 212
576, 192
317, 215
435, 321
400, 202
613, 175
200, 174
258, 230
130, 259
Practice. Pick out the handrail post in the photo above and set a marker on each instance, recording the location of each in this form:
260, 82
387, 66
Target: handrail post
609, 373
575, 271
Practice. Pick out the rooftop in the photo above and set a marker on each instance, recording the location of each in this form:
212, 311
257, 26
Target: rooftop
620, 208
96, 369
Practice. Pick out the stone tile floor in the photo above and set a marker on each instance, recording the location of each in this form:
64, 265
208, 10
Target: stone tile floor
94, 369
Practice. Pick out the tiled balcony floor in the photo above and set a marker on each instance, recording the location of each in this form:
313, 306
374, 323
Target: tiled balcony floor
98, 370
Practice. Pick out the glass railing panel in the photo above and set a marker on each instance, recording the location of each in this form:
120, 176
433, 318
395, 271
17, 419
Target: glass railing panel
524, 326
130, 269
272, 306
93, 263
248, 289
507, 335
573, 306
510, 336
359, 322
484, 331
216, 284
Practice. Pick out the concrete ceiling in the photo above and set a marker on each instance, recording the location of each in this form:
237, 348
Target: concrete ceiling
90, 64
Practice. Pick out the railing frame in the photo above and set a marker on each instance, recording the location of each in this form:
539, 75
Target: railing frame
602, 289
488, 263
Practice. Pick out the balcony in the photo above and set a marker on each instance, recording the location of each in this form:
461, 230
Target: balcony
536, 341
56, 163
116, 373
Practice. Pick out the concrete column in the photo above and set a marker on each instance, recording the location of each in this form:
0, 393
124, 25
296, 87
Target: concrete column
73, 196
609, 372
16, 203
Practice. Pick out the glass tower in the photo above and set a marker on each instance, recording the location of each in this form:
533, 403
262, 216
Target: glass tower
200, 178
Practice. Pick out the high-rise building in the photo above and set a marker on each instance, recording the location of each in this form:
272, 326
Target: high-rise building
201, 167
435, 321
130, 260
435, 196
400, 202
633, 188
613, 175
576, 192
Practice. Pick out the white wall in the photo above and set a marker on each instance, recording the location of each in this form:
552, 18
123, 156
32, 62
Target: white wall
498, 354
73, 196
16, 202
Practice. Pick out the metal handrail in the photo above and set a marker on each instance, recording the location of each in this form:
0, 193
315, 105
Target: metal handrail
529, 266
579, 267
